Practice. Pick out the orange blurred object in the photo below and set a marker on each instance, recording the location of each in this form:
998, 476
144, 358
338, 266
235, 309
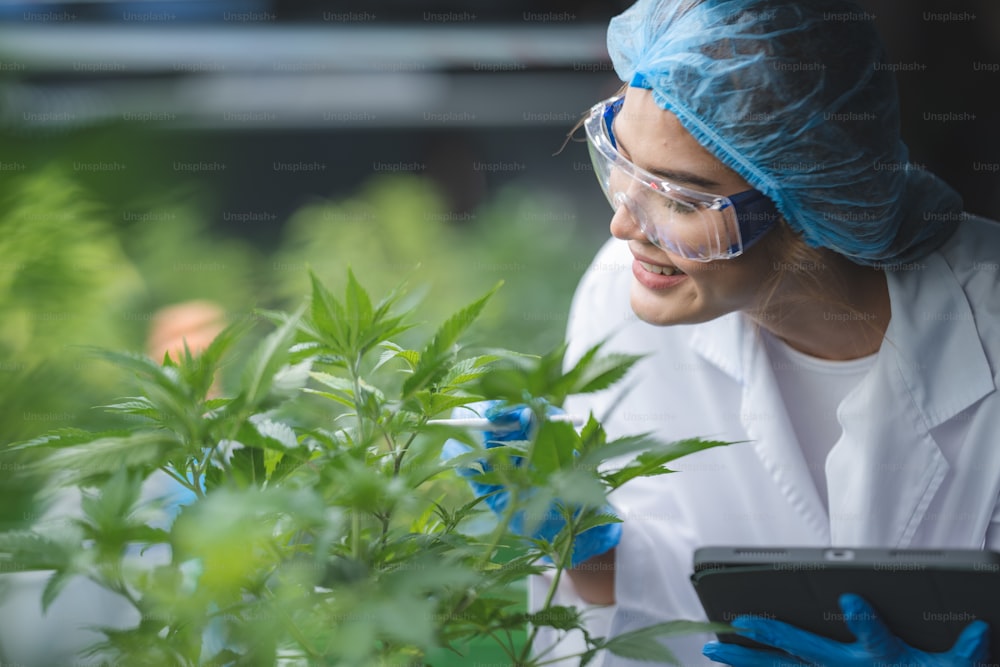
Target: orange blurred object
196, 322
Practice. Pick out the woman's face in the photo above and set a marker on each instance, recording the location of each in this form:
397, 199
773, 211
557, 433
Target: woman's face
655, 140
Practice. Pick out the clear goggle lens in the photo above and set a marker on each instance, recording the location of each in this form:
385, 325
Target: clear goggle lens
695, 225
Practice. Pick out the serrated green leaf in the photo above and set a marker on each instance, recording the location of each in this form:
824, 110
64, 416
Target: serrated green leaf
272, 457
642, 644
506, 384
411, 357
341, 384
134, 405
588, 657
574, 374
434, 403
452, 519
266, 360
663, 631
200, 372
603, 372
67, 437
517, 569
329, 318
381, 331
653, 462
645, 649
143, 534
435, 356
141, 450
53, 587
367, 388
624, 446
302, 352
391, 298
38, 550
468, 370
224, 658
547, 379
278, 433
554, 448
558, 617
357, 304
165, 378
114, 503
128, 404
592, 436
538, 507
578, 487
383, 326
595, 519
339, 398
291, 378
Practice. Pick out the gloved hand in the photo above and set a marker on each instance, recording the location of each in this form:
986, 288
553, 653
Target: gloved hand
874, 644
515, 424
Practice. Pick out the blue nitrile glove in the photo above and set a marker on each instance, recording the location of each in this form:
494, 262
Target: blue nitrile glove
592, 542
874, 644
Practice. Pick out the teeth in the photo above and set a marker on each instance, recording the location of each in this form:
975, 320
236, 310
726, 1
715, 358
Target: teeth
664, 270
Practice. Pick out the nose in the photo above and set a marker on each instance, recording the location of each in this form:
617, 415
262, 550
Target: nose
624, 226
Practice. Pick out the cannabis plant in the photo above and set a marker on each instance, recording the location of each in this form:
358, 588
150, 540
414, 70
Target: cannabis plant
304, 515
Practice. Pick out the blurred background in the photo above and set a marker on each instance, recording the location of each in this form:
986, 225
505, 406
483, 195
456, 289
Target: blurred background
199, 156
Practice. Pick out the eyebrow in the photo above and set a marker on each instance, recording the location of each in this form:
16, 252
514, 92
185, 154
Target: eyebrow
674, 175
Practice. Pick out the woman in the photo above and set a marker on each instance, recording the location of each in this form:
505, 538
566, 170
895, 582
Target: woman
799, 287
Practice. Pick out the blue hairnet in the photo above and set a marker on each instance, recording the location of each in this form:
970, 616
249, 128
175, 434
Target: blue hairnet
793, 97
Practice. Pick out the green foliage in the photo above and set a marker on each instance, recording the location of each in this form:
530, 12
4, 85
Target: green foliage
56, 261
330, 535
397, 227
59, 266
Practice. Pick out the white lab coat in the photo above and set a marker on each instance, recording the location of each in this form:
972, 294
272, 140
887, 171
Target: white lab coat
917, 465
30, 637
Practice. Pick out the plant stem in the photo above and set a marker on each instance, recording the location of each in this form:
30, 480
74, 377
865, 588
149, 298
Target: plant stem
292, 628
209, 452
384, 518
503, 525
119, 586
390, 445
355, 534
355, 371
398, 462
499, 531
196, 488
508, 649
552, 661
553, 587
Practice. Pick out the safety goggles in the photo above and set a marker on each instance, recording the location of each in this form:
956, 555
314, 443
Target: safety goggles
695, 225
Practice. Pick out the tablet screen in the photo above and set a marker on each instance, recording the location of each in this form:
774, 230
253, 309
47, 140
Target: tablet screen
925, 597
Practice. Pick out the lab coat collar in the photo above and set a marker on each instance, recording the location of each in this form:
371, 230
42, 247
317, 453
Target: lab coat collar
722, 341
734, 345
886, 468
935, 344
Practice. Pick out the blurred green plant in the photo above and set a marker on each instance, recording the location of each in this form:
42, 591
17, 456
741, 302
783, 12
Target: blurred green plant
180, 258
342, 540
61, 272
397, 226
69, 277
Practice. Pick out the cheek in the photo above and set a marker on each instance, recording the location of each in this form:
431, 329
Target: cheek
729, 284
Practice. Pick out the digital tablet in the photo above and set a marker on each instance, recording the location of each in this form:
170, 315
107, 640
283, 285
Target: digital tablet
925, 597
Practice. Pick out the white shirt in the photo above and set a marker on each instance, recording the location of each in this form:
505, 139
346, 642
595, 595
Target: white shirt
812, 389
917, 463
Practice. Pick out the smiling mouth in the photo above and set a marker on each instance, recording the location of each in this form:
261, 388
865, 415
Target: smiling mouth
662, 270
